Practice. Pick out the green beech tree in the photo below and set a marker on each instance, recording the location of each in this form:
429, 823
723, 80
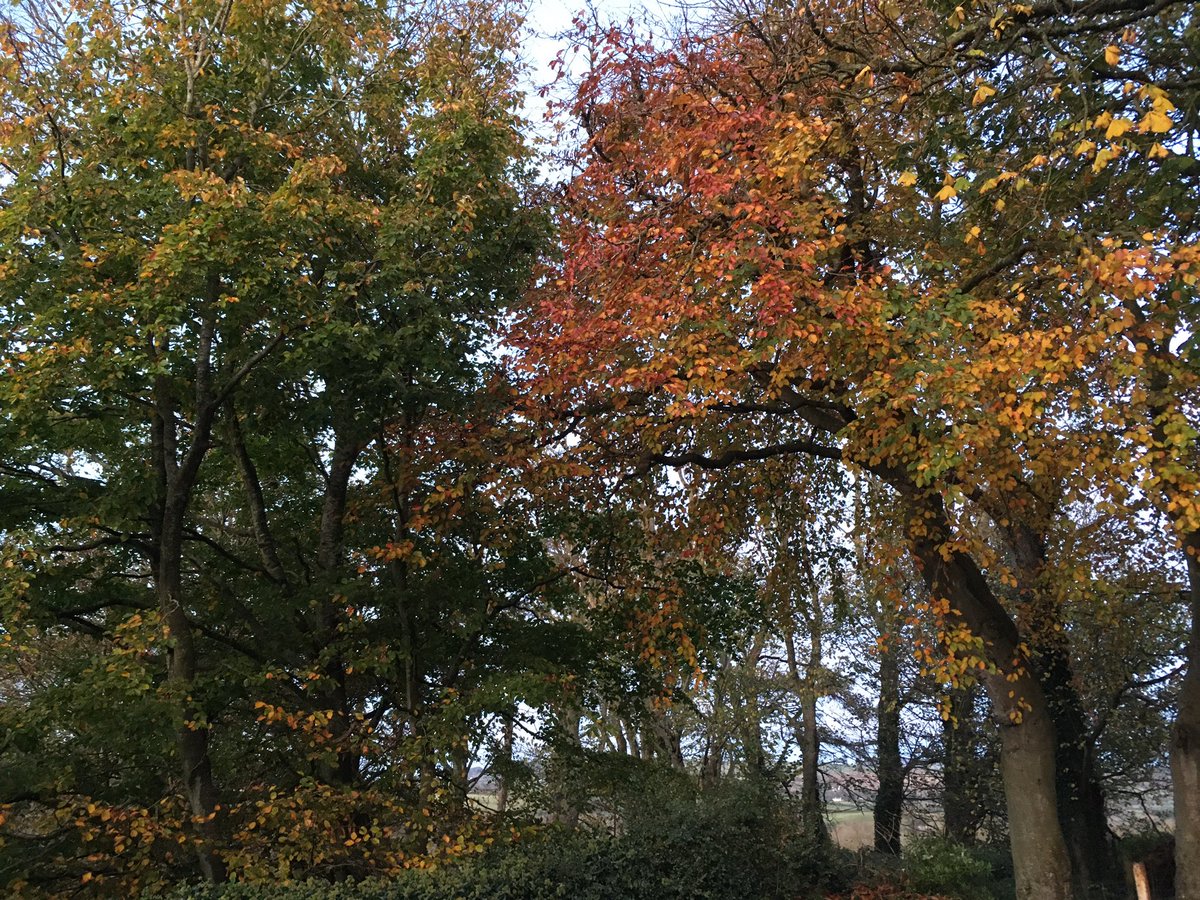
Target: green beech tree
251, 257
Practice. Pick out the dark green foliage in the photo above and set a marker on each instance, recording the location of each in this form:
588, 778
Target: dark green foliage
934, 865
734, 847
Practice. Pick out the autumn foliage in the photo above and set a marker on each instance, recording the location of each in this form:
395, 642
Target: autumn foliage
368, 503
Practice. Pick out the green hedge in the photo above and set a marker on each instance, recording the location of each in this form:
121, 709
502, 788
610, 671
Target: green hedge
676, 848
934, 865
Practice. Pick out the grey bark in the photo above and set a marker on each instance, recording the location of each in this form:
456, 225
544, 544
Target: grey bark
1028, 738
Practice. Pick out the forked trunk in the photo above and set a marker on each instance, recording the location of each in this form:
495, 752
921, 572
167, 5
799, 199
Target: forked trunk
1028, 741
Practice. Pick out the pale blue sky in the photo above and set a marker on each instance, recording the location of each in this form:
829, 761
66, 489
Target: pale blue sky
550, 20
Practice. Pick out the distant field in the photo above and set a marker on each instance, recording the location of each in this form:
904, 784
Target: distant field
851, 828
855, 828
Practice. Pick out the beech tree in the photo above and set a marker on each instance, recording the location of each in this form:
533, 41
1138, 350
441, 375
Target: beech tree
807, 234
251, 255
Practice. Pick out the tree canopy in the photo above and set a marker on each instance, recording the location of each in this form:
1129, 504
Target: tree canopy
370, 502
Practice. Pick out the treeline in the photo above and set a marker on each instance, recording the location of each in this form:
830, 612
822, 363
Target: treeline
367, 501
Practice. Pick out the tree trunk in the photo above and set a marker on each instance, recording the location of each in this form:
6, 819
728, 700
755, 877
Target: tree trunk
1028, 740
561, 771
631, 735
176, 475
329, 613
710, 769
1081, 806
960, 808
663, 738
809, 738
506, 747
715, 734
410, 691
889, 798
1027, 764
1176, 497
753, 755
1185, 746
810, 787
192, 736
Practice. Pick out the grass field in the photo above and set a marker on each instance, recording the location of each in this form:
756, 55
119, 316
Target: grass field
851, 828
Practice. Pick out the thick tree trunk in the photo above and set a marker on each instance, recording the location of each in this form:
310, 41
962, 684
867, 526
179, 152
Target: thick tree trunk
1185, 746
1185, 735
710, 770
810, 786
1028, 740
1081, 806
1040, 859
889, 799
668, 741
633, 739
565, 805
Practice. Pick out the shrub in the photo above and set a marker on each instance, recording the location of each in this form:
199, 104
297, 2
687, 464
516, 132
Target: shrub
934, 865
675, 844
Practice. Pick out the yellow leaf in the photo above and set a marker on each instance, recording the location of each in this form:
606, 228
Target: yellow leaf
1158, 151
1084, 147
908, 179
1117, 128
1112, 54
1162, 104
946, 193
1155, 121
982, 93
1104, 157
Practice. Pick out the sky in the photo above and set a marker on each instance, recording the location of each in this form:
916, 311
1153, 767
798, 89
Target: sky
548, 25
